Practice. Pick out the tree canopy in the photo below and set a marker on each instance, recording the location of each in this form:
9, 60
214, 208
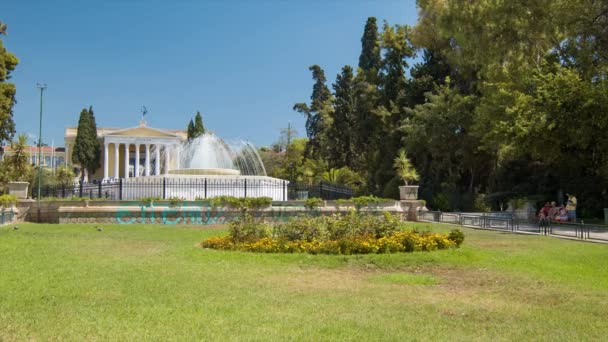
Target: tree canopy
87, 149
508, 101
8, 63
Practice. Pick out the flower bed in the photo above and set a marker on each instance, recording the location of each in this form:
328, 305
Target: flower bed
337, 234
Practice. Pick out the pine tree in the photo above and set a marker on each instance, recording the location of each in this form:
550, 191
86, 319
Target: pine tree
8, 62
199, 129
190, 130
318, 115
370, 50
341, 133
196, 128
87, 150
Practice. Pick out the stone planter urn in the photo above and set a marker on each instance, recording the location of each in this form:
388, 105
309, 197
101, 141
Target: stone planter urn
18, 189
408, 192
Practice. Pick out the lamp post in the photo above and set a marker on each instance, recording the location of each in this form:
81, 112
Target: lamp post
42, 87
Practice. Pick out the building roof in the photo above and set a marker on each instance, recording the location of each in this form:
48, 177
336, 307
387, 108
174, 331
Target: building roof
34, 149
70, 132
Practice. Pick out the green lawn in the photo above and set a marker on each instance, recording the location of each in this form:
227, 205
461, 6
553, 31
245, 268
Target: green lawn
134, 282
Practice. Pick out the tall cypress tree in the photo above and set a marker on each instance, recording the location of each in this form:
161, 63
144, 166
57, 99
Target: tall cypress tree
317, 115
199, 129
342, 130
190, 130
370, 48
87, 151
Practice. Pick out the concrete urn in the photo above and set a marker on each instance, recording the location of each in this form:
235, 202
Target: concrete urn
408, 192
18, 189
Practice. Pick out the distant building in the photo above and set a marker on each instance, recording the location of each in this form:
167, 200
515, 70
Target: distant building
51, 157
131, 152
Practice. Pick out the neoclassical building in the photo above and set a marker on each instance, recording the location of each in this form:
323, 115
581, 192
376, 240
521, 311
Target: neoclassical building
132, 152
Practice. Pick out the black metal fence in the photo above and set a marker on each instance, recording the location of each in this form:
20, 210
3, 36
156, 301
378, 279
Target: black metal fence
195, 188
507, 222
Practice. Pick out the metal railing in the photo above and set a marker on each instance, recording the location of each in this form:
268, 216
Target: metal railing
192, 189
505, 222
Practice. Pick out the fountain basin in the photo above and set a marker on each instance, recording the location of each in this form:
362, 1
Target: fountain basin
205, 172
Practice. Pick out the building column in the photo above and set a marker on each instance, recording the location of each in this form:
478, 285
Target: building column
126, 160
166, 147
136, 160
116, 161
157, 161
178, 161
67, 148
147, 163
105, 162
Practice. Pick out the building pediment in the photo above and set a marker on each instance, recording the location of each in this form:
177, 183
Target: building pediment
143, 132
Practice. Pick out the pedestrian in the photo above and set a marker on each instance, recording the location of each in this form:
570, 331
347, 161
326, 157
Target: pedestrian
571, 207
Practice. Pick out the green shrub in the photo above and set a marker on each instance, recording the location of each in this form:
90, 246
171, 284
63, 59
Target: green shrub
304, 228
313, 203
7, 201
175, 201
457, 236
147, 201
241, 203
247, 229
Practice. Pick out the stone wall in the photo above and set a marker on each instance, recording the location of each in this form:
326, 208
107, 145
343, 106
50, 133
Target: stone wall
188, 212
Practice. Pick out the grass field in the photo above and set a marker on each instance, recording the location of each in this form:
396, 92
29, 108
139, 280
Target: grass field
133, 282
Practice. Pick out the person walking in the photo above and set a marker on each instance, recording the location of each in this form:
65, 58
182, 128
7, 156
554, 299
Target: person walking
571, 207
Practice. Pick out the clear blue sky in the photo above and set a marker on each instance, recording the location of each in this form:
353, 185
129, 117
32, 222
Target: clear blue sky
243, 64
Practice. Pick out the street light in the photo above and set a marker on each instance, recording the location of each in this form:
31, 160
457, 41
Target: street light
42, 87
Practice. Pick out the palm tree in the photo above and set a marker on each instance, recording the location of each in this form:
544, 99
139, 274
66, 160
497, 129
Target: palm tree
18, 161
405, 169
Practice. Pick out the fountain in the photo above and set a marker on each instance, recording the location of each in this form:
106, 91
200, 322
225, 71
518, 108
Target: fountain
210, 155
206, 167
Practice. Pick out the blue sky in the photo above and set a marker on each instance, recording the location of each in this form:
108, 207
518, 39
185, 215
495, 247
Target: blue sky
243, 64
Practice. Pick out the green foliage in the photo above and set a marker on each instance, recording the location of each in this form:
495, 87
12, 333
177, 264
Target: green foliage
148, 201
318, 114
313, 203
16, 166
337, 234
87, 149
441, 202
8, 62
195, 129
507, 100
247, 229
370, 50
64, 175
242, 204
343, 176
7, 201
457, 236
481, 204
405, 169
175, 201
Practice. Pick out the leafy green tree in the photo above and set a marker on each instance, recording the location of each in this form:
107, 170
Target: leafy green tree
16, 166
64, 175
8, 62
318, 114
87, 149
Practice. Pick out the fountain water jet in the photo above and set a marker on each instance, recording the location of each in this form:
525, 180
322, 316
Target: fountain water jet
210, 155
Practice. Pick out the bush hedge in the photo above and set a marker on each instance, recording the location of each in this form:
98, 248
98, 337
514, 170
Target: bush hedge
337, 234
